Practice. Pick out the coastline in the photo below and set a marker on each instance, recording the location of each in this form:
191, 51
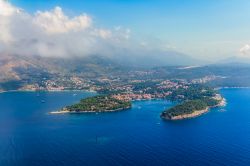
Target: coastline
196, 113
234, 87
65, 111
28, 90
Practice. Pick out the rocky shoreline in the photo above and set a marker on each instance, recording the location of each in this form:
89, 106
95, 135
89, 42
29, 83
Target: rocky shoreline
222, 103
66, 111
188, 116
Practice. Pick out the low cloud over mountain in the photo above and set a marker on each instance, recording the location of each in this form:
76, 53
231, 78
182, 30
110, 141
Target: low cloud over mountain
52, 33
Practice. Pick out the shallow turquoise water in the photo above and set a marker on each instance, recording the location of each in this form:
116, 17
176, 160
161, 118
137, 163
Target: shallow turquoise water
29, 136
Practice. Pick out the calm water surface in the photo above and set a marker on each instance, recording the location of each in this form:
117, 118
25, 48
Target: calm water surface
29, 136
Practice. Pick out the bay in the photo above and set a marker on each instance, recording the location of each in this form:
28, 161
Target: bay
30, 136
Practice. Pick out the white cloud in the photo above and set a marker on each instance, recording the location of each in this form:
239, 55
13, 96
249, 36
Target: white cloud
7, 9
245, 50
56, 21
53, 33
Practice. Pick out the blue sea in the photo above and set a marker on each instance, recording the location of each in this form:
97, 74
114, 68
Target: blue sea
30, 136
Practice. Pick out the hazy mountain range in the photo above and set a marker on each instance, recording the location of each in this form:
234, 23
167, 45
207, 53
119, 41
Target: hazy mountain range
17, 67
25, 68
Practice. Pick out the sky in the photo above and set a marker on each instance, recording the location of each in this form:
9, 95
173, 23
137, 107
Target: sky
204, 29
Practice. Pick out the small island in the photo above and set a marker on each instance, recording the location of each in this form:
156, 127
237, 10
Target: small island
193, 108
102, 103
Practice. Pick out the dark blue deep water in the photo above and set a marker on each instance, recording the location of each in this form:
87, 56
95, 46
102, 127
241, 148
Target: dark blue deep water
29, 136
